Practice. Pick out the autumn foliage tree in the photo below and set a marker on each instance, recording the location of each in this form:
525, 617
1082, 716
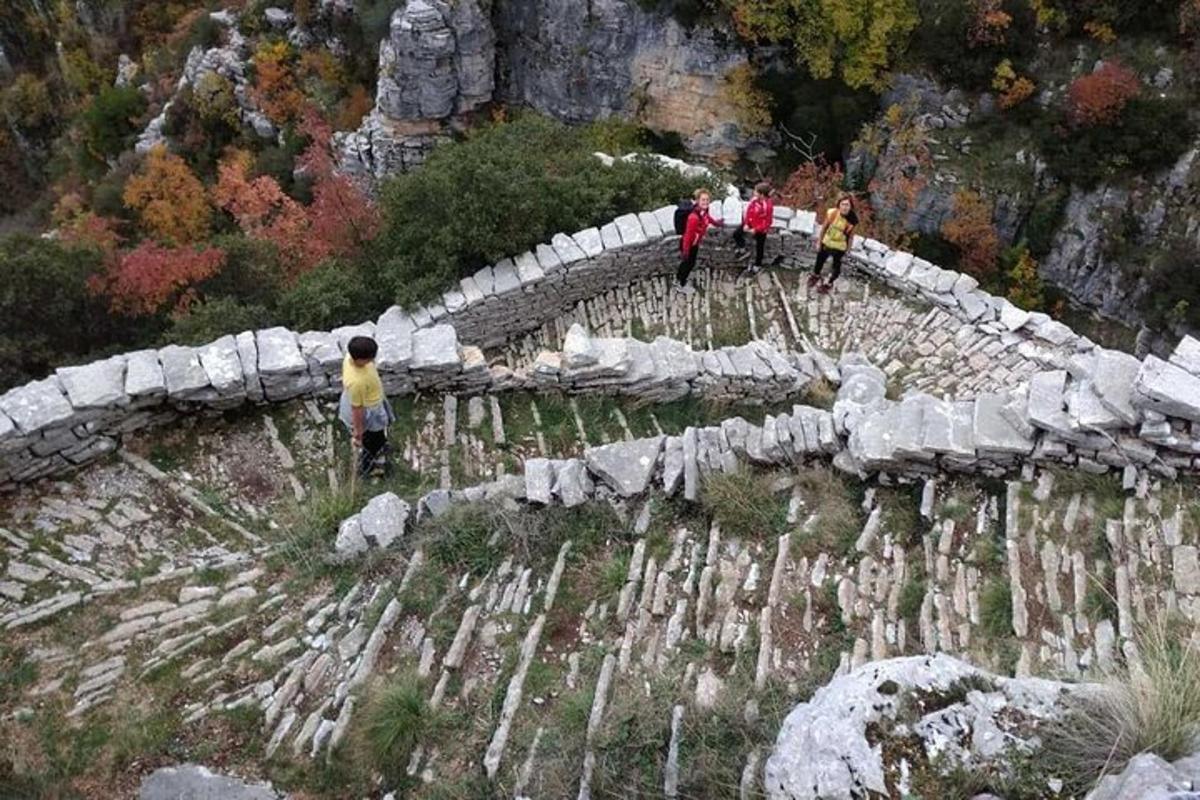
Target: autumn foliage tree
971, 231
338, 222
1099, 98
152, 278
169, 199
855, 39
275, 88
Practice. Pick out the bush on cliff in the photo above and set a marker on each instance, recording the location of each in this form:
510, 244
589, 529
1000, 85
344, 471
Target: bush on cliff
499, 192
47, 315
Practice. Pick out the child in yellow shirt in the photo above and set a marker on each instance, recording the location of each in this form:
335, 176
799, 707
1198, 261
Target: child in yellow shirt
364, 408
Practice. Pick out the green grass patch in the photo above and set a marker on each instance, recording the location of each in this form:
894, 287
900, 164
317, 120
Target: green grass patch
744, 503
995, 609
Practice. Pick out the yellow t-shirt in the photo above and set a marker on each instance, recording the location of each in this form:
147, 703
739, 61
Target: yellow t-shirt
362, 383
835, 235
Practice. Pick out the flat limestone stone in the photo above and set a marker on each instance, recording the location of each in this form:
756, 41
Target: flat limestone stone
589, 242
184, 373
37, 405
435, 348
573, 485
194, 782
248, 356
1167, 389
383, 520
539, 480
1187, 355
1112, 381
625, 466
143, 375
1047, 398
567, 249
279, 353
630, 229
994, 433
393, 334
223, 366
100, 384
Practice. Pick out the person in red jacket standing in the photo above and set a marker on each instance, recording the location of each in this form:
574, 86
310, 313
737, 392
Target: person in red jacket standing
698, 222
760, 213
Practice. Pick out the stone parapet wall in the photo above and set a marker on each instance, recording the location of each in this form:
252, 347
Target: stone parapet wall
79, 413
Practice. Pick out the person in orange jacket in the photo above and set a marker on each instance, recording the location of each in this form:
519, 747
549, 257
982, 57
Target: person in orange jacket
698, 222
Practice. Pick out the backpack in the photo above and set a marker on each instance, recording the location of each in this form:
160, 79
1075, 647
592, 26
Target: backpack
681, 215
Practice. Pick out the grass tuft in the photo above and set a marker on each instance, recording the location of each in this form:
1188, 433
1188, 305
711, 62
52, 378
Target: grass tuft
1153, 707
995, 609
744, 504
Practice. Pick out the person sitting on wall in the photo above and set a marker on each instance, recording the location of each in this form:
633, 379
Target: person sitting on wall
836, 236
364, 408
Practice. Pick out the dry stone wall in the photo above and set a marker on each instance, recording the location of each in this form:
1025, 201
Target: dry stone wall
1092, 407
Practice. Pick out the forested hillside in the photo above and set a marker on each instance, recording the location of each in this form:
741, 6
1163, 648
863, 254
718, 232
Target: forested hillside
172, 170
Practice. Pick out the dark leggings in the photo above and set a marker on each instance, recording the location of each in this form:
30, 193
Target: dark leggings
373, 443
686, 265
836, 255
760, 244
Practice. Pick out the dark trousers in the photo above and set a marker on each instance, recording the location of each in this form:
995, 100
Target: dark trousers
373, 444
836, 255
686, 265
760, 244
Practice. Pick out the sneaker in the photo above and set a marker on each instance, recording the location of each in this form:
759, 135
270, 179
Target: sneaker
813, 279
824, 288
685, 289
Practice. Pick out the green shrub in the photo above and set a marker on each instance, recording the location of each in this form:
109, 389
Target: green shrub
251, 275
205, 322
943, 41
1172, 295
1044, 219
335, 293
111, 121
1150, 135
501, 191
47, 315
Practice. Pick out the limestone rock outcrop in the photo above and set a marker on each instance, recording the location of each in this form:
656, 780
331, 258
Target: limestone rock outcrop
575, 61
832, 747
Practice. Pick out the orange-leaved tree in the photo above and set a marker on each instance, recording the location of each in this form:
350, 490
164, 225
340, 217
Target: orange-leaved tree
971, 231
152, 278
77, 225
169, 199
1099, 98
275, 88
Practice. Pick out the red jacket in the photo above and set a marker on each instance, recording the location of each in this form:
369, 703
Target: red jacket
760, 214
697, 225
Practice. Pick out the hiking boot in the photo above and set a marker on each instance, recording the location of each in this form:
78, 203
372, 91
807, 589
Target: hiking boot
824, 288
685, 289
777, 261
813, 280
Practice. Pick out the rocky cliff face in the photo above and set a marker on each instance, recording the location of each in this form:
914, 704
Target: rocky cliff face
1088, 261
578, 61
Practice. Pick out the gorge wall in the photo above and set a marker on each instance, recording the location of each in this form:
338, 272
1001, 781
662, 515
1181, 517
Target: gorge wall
576, 61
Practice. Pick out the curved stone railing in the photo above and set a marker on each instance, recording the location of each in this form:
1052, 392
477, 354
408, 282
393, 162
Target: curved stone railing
79, 413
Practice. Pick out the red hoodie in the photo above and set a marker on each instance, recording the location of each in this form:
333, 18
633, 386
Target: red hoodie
697, 225
760, 213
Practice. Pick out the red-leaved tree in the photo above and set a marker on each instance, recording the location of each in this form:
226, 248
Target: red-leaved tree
970, 229
152, 278
1099, 98
337, 223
